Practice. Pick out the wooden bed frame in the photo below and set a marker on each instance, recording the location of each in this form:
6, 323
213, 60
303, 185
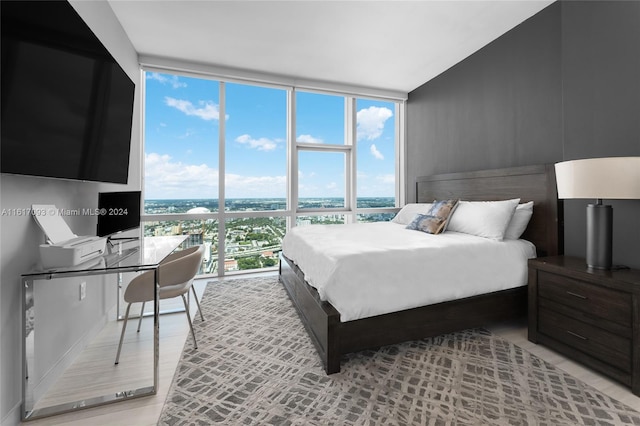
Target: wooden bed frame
333, 338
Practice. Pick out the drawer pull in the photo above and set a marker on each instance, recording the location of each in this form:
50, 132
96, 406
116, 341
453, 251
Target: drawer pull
577, 335
579, 296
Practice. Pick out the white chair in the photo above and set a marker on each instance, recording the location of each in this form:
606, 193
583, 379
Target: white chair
175, 277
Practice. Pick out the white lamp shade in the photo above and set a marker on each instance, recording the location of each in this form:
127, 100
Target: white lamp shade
605, 178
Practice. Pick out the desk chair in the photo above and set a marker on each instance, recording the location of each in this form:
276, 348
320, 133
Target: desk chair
175, 276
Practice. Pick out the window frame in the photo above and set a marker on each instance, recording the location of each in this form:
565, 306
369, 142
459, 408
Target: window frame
350, 211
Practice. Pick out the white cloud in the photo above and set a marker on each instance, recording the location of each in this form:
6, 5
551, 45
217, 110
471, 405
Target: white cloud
261, 144
207, 110
374, 151
382, 185
165, 178
173, 81
188, 133
170, 179
309, 139
371, 122
238, 186
387, 179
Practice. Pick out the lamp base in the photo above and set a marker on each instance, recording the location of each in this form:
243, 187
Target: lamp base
599, 236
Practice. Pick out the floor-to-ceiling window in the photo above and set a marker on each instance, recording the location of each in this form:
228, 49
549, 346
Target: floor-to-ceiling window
377, 159
255, 164
181, 160
234, 164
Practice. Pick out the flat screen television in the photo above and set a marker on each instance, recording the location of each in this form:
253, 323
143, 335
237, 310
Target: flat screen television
66, 103
118, 212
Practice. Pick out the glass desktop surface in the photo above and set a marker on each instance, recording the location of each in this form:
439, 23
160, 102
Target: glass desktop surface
155, 249
152, 251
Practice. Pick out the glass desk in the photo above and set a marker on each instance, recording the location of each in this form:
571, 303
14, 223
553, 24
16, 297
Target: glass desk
71, 332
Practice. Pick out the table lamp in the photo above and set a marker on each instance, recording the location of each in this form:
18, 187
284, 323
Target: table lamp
599, 178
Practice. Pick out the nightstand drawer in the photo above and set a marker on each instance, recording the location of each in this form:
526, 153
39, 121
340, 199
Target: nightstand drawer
598, 343
590, 316
599, 301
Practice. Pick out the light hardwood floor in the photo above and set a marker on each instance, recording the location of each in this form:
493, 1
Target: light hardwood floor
516, 332
174, 331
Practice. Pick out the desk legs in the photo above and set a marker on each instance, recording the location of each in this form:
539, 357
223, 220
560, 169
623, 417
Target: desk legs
37, 387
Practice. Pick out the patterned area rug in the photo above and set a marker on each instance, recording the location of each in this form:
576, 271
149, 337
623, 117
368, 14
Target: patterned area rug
255, 365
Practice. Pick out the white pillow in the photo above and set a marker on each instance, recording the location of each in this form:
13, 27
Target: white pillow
488, 219
519, 221
409, 212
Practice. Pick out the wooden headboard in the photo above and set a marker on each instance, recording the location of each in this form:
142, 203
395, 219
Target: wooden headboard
529, 183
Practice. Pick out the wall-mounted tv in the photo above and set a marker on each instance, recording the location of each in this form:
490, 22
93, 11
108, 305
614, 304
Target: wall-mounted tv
119, 211
66, 103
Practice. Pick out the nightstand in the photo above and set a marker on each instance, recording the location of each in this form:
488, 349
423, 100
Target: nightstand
590, 316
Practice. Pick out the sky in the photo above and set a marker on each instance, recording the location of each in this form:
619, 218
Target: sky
182, 121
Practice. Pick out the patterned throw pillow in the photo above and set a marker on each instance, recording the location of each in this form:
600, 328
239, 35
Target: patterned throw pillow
409, 211
426, 223
443, 209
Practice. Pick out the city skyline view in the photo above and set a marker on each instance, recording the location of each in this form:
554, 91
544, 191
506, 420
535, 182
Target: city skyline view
248, 242
175, 206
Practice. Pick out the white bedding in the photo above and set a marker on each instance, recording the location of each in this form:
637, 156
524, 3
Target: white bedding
369, 269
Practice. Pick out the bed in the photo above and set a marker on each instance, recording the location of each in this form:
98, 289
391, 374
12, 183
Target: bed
335, 333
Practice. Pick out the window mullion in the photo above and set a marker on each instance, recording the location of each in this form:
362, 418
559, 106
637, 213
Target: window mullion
401, 160
292, 159
350, 166
221, 180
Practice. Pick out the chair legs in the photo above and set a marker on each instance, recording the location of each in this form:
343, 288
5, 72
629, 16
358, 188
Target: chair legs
195, 296
186, 310
141, 315
124, 327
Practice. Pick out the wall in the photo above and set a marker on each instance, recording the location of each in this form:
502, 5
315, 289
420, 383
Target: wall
20, 236
562, 85
601, 91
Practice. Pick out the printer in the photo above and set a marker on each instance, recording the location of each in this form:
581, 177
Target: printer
64, 248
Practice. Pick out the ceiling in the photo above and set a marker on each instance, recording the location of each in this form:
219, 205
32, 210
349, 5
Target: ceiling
390, 45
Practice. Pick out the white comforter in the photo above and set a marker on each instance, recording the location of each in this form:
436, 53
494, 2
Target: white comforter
370, 269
